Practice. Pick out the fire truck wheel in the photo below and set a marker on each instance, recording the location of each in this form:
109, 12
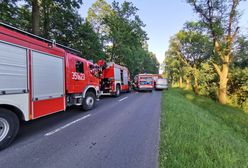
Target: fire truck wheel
9, 126
89, 101
129, 89
118, 91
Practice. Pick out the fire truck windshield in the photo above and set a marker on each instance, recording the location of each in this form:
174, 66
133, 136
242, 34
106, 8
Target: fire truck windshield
146, 81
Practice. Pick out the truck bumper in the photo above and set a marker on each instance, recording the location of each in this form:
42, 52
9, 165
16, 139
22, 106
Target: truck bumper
144, 89
161, 87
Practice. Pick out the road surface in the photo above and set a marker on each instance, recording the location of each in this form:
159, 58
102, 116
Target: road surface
120, 132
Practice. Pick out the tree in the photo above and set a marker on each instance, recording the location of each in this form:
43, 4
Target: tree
193, 48
59, 15
238, 87
125, 30
88, 42
174, 65
96, 13
14, 15
120, 36
221, 20
126, 39
189, 48
8, 11
241, 52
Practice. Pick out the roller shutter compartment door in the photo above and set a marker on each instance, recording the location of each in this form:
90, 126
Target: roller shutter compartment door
48, 76
125, 77
13, 69
117, 72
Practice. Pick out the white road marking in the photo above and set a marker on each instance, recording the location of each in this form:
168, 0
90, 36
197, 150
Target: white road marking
67, 125
122, 99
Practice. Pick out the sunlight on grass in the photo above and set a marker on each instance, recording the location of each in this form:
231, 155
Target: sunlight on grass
189, 96
198, 132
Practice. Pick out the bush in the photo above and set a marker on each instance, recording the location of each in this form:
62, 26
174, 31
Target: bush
238, 88
208, 81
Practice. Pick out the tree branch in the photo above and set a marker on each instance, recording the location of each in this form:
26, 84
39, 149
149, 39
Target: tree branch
181, 58
199, 10
234, 34
217, 49
217, 68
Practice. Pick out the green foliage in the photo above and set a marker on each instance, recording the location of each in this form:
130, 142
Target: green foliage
241, 52
198, 132
122, 36
96, 13
8, 11
208, 81
215, 14
125, 39
187, 50
238, 88
181, 56
112, 32
221, 20
11, 14
87, 41
173, 66
210, 51
194, 46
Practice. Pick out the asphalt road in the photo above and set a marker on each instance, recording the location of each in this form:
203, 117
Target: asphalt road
120, 132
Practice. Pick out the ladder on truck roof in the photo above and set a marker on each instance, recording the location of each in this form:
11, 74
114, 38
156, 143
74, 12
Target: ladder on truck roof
41, 38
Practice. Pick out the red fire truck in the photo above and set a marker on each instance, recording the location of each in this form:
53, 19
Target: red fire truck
38, 78
143, 82
114, 78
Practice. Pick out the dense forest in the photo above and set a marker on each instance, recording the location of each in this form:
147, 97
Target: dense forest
211, 55
113, 32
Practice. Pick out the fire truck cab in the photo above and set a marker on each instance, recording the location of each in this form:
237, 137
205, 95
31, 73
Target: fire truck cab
143, 82
114, 78
38, 78
80, 82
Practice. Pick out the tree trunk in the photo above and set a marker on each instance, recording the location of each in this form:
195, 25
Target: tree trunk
196, 88
223, 76
187, 84
35, 17
196, 77
180, 82
46, 13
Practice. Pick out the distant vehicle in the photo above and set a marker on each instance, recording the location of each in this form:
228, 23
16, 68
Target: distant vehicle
143, 82
156, 76
161, 83
114, 78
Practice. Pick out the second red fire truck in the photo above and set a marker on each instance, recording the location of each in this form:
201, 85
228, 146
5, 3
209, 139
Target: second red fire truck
114, 78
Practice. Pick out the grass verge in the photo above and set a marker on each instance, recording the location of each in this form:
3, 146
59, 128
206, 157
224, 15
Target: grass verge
198, 132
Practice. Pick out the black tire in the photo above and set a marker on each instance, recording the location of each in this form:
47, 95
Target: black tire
129, 89
89, 101
118, 91
9, 127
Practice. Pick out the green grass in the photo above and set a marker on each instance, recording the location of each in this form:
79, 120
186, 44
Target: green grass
198, 132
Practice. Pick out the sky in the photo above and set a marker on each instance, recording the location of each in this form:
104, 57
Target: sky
163, 19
